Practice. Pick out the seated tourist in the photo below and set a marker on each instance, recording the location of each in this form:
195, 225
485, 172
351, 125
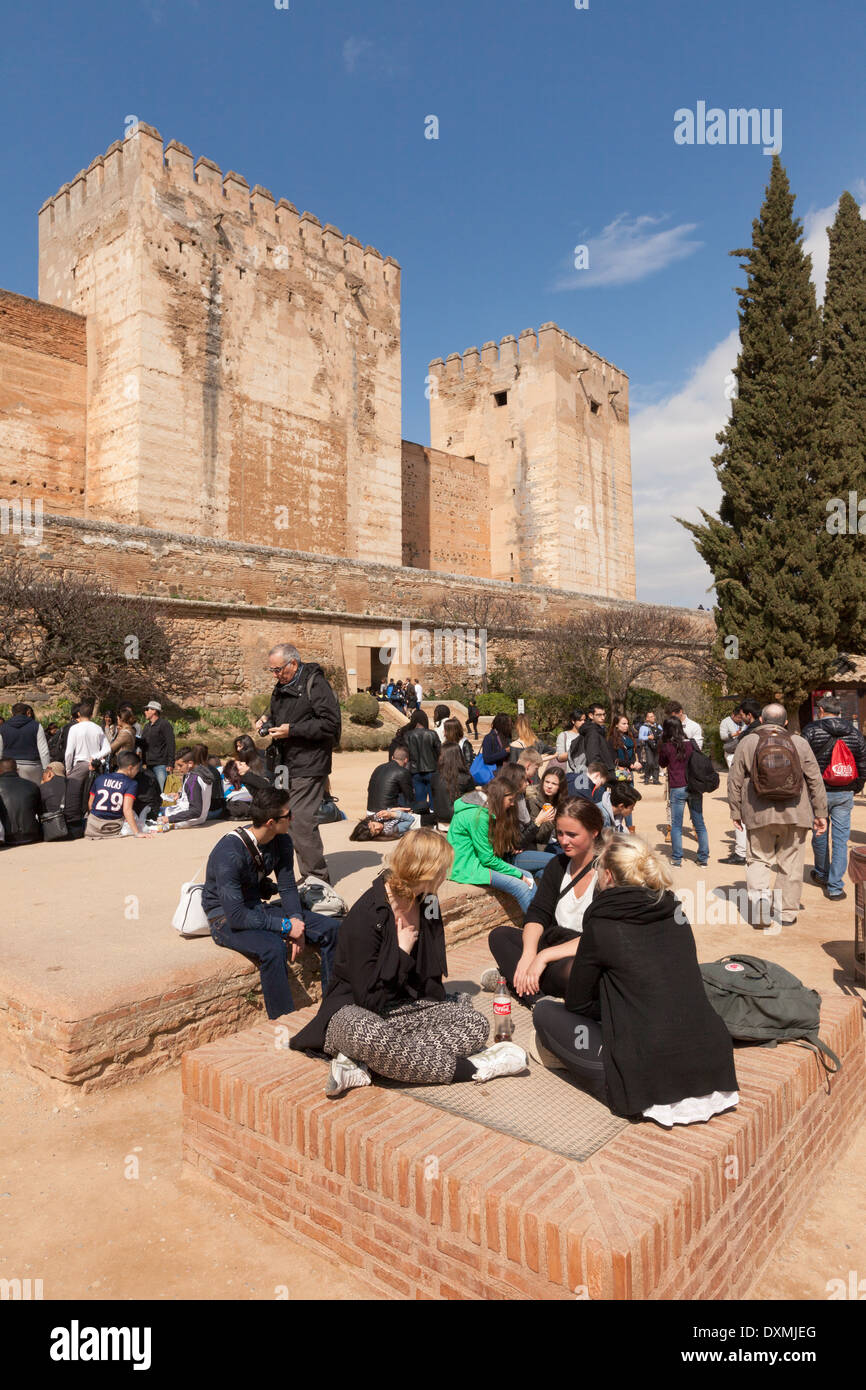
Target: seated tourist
543, 800
532, 763
387, 1010
237, 796
208, 768
196, 789
52, 792
391, 782
451, 779
496, 746
481, 838
148, 800
389, 825
20, 804
251, 764
236, 880
637, 1029
598, 790
622, 798
537, 960
110, 803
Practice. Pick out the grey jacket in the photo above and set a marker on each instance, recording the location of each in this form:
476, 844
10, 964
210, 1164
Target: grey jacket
755, 811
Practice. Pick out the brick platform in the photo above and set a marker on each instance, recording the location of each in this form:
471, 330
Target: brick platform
422, 1204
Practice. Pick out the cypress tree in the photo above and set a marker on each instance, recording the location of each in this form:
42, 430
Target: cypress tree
775, 616
842, 379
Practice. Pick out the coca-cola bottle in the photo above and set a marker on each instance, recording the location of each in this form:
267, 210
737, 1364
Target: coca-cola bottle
503, 1030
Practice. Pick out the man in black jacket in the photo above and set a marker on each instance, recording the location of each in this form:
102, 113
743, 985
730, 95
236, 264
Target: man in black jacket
595, 744
157, 738
822, 736
20, 804
304, 724
391, 783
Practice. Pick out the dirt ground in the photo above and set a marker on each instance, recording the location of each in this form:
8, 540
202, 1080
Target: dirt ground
95, 1202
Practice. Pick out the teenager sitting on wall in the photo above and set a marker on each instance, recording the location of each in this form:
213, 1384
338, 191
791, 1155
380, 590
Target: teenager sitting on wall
481, 837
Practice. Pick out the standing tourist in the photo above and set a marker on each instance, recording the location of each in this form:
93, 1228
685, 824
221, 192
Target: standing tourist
85, 745
648, 738
157, 739
473, 714
691, 730
423, 747
840, 752
305, 728
596, 748
22, 737
570, 732
674, 754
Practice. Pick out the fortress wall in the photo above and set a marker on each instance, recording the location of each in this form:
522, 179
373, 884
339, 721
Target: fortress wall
446, 518
42, 405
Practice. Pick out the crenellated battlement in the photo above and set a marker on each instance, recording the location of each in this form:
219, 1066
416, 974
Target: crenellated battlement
549, 343
140, 159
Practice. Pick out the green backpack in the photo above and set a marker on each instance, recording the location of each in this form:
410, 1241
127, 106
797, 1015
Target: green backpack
760, 1002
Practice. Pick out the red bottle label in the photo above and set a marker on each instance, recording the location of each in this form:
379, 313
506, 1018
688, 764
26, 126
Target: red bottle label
502, 1006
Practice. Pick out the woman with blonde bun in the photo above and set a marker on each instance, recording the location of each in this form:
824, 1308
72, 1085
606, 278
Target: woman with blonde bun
636, 1029
386, 1010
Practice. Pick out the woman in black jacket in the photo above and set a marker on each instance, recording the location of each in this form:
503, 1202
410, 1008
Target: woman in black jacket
386, 1006
450, 780
637, 1029
537, 961
423, 746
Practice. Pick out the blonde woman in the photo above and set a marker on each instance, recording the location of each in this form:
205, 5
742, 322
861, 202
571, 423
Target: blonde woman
636, 1029
526, 737
386, 1009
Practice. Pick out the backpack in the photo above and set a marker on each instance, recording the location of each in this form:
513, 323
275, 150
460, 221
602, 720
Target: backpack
318, 896
760, 1002
701, 776
841, 769
776, 772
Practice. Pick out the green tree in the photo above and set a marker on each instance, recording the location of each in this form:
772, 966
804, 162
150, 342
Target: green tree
842, 379
767, 548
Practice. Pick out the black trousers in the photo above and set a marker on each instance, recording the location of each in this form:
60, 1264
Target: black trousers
650, 764
506, 947
576, 1040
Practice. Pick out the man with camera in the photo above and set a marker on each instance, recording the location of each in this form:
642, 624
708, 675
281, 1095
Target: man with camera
304, 725
85, 746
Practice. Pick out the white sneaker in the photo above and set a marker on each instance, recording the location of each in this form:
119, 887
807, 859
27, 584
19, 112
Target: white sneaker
502, 1059
343, 1074
490, 979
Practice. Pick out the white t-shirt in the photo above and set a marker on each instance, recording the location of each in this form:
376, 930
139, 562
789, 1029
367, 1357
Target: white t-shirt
694, 732
565, 740
570, 909
85, 742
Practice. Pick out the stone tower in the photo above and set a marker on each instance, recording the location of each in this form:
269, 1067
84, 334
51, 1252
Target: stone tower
243, 362
549, 418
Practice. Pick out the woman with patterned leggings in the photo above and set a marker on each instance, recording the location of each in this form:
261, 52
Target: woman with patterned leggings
386, 1009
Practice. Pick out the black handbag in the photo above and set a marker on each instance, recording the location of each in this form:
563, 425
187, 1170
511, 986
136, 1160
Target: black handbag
54, 825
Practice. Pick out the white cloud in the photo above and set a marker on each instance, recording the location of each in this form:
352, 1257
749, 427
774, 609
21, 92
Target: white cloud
631, 249
817, 242
353, 51
672, 444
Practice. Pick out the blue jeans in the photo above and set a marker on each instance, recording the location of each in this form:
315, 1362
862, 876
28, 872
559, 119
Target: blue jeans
531, 861
268, 950
831, 864
505, 883
679, 797
423, 795
160, 772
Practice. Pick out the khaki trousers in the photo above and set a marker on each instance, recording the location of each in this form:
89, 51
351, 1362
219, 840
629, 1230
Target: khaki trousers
786, 846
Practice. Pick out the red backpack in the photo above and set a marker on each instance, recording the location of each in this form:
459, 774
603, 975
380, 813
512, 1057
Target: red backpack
841, 769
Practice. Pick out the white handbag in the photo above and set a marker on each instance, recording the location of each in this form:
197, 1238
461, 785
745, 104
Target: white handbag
189, 917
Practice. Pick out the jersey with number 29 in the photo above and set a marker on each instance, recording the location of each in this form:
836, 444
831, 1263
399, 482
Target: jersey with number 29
108, 793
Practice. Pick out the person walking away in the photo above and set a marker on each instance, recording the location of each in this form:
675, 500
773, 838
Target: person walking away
386, 1011
637, 1030
537, 961
157, 739
423, 747
473, 714
20, 805
240, 919
731, 730
776, 791
481, 837
85, 745
840, 752
648, 738
305, 729
674, 753
22, 737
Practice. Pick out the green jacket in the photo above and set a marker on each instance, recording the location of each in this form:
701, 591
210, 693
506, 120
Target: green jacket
469, 837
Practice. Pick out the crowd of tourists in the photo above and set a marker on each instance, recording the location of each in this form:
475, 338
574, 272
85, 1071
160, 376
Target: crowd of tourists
604, 957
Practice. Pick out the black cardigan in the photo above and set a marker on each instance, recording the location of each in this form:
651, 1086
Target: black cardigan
543, 906
371, 970
637, 968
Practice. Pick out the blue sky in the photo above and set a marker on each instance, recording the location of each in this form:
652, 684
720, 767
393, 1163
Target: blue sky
556, 128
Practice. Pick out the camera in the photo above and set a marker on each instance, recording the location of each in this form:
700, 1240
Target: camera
265, 728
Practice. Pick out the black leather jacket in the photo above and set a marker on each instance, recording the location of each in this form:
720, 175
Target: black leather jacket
390, 785
20, 805
821, 737
424, 748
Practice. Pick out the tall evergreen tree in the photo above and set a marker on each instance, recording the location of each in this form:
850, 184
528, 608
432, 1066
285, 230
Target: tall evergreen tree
775, 615
842, 380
